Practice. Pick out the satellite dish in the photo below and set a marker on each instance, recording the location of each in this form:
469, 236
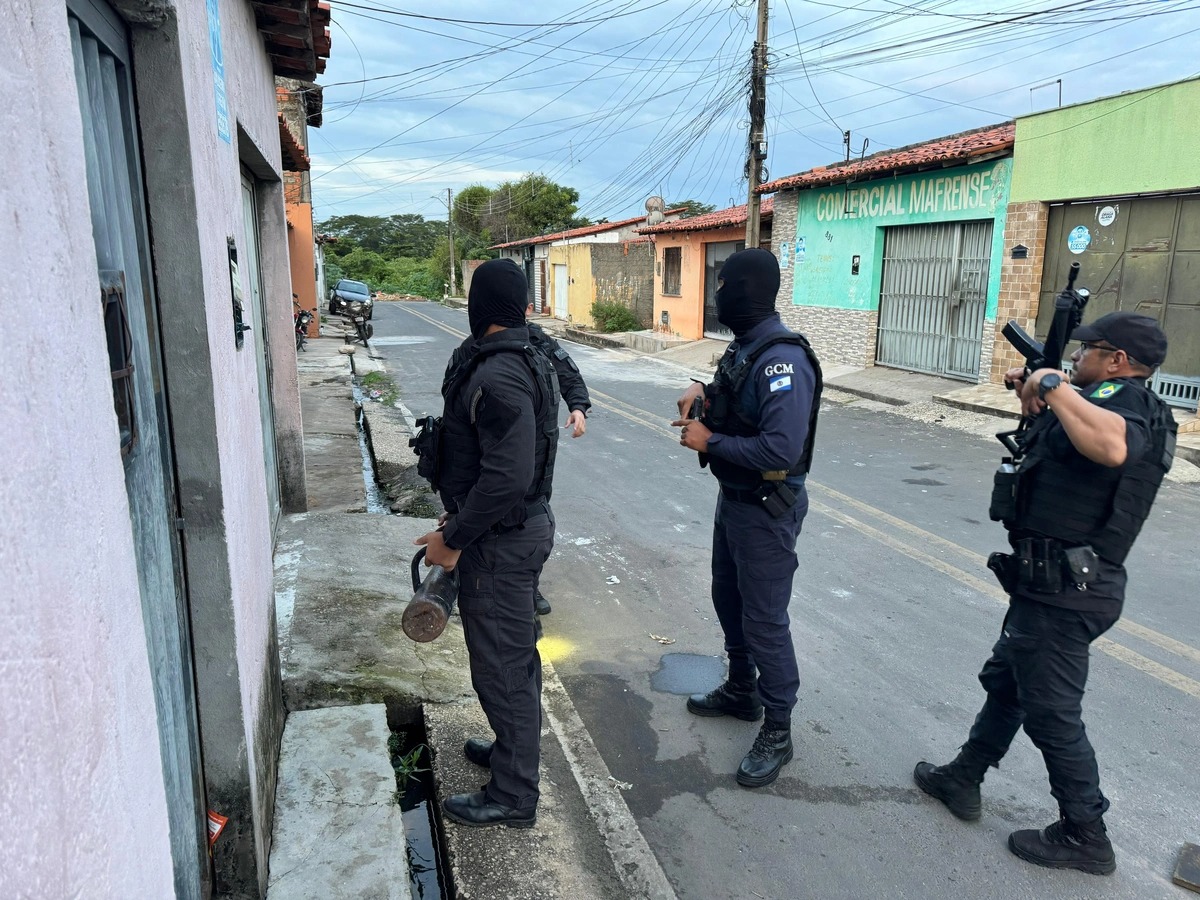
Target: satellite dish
654, 210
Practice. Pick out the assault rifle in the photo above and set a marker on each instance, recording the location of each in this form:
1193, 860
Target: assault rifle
1068, 313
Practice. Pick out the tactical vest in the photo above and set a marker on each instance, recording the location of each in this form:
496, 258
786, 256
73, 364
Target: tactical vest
456, 447
725, 411
1106, 513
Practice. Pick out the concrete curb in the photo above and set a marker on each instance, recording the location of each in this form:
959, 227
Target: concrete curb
586, 842
591, 338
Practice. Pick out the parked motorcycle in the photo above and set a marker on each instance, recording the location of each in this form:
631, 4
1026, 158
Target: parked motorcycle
359, 313
301, 319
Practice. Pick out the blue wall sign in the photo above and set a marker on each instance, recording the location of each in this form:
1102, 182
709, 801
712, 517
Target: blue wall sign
218, 64
785, 250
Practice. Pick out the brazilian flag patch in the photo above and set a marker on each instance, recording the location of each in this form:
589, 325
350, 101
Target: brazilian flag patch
1106, 390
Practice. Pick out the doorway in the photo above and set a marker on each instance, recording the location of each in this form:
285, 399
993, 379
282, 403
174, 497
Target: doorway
100, 46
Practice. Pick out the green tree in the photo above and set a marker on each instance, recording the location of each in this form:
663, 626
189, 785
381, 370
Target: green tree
438, 264
693, 208
404, 234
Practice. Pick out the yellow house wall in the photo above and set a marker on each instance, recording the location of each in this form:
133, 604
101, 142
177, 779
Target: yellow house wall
581, 290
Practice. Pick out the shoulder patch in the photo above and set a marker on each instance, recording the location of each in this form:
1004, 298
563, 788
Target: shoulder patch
781, 383
1106, 390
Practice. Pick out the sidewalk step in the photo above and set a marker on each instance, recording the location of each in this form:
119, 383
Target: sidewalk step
338, 832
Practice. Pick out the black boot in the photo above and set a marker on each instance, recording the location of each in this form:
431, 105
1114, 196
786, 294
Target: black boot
541, 604
478, 751
477, 811
772, 750
1067, 845
727, 700
956, 784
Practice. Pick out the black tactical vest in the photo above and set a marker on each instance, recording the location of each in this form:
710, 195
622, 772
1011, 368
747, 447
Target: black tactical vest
1107, 511
459, 456
725, 411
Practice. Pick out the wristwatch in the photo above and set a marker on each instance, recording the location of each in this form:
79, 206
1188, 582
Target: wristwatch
1048, 383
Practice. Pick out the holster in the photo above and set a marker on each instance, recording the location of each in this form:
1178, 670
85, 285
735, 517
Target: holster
1004, 566
427, 445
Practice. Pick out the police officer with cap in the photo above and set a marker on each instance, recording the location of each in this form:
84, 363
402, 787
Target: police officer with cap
495, 465
1092, 464
756, 435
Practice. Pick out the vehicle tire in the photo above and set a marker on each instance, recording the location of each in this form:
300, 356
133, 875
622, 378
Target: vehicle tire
369, 329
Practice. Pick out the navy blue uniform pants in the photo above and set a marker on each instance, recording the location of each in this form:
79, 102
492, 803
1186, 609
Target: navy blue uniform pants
1036, 677
753, 562
498, 576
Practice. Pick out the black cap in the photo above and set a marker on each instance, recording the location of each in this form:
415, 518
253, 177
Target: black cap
1139, 336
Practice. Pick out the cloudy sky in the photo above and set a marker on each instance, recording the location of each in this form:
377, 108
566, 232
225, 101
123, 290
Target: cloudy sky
624, 99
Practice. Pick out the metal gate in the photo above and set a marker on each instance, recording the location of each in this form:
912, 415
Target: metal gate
715, 255
1138, 254
933, 298
125, 299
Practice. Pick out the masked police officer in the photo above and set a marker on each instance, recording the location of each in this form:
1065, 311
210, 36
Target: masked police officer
1093, 461
571, 386
496, 451
757, 434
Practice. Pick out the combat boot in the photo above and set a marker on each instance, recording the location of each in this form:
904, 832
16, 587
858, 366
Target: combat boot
729, 699
1067, 845
956, 784
772, 750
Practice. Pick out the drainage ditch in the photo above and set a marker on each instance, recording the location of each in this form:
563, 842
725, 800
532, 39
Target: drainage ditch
377, 501
428, 870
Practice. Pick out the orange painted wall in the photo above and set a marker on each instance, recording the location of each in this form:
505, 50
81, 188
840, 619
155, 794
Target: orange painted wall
302, 259
687, 310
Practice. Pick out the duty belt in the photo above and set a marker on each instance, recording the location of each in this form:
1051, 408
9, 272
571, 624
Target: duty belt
741, 496
531, 509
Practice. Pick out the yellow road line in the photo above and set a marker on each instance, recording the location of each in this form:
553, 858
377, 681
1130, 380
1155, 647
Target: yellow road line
987, 587
434, 322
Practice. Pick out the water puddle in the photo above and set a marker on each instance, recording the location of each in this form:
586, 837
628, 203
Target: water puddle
377, 501
428, 870
687, 673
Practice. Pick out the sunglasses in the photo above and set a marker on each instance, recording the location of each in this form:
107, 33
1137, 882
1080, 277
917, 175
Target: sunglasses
1085, 346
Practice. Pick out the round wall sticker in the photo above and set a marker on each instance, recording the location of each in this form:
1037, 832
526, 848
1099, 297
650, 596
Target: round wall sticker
1107, 216
1078, 239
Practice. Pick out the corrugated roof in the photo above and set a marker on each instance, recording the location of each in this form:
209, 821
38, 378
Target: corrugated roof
721, 218
956, 148
578, 232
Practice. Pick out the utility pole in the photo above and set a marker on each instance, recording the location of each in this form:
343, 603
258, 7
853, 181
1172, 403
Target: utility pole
450, 229
758, 116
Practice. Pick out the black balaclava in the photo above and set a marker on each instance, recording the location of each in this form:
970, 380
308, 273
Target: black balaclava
749, 283
497, 296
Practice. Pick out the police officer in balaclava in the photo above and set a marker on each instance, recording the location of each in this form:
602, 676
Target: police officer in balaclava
756, 436
496, 462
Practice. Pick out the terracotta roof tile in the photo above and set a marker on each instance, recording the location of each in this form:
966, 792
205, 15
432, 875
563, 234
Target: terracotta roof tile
721, 218
294, 158
578, 232
953, 149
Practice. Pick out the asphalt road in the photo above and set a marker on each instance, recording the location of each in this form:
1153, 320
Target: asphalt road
893, 613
